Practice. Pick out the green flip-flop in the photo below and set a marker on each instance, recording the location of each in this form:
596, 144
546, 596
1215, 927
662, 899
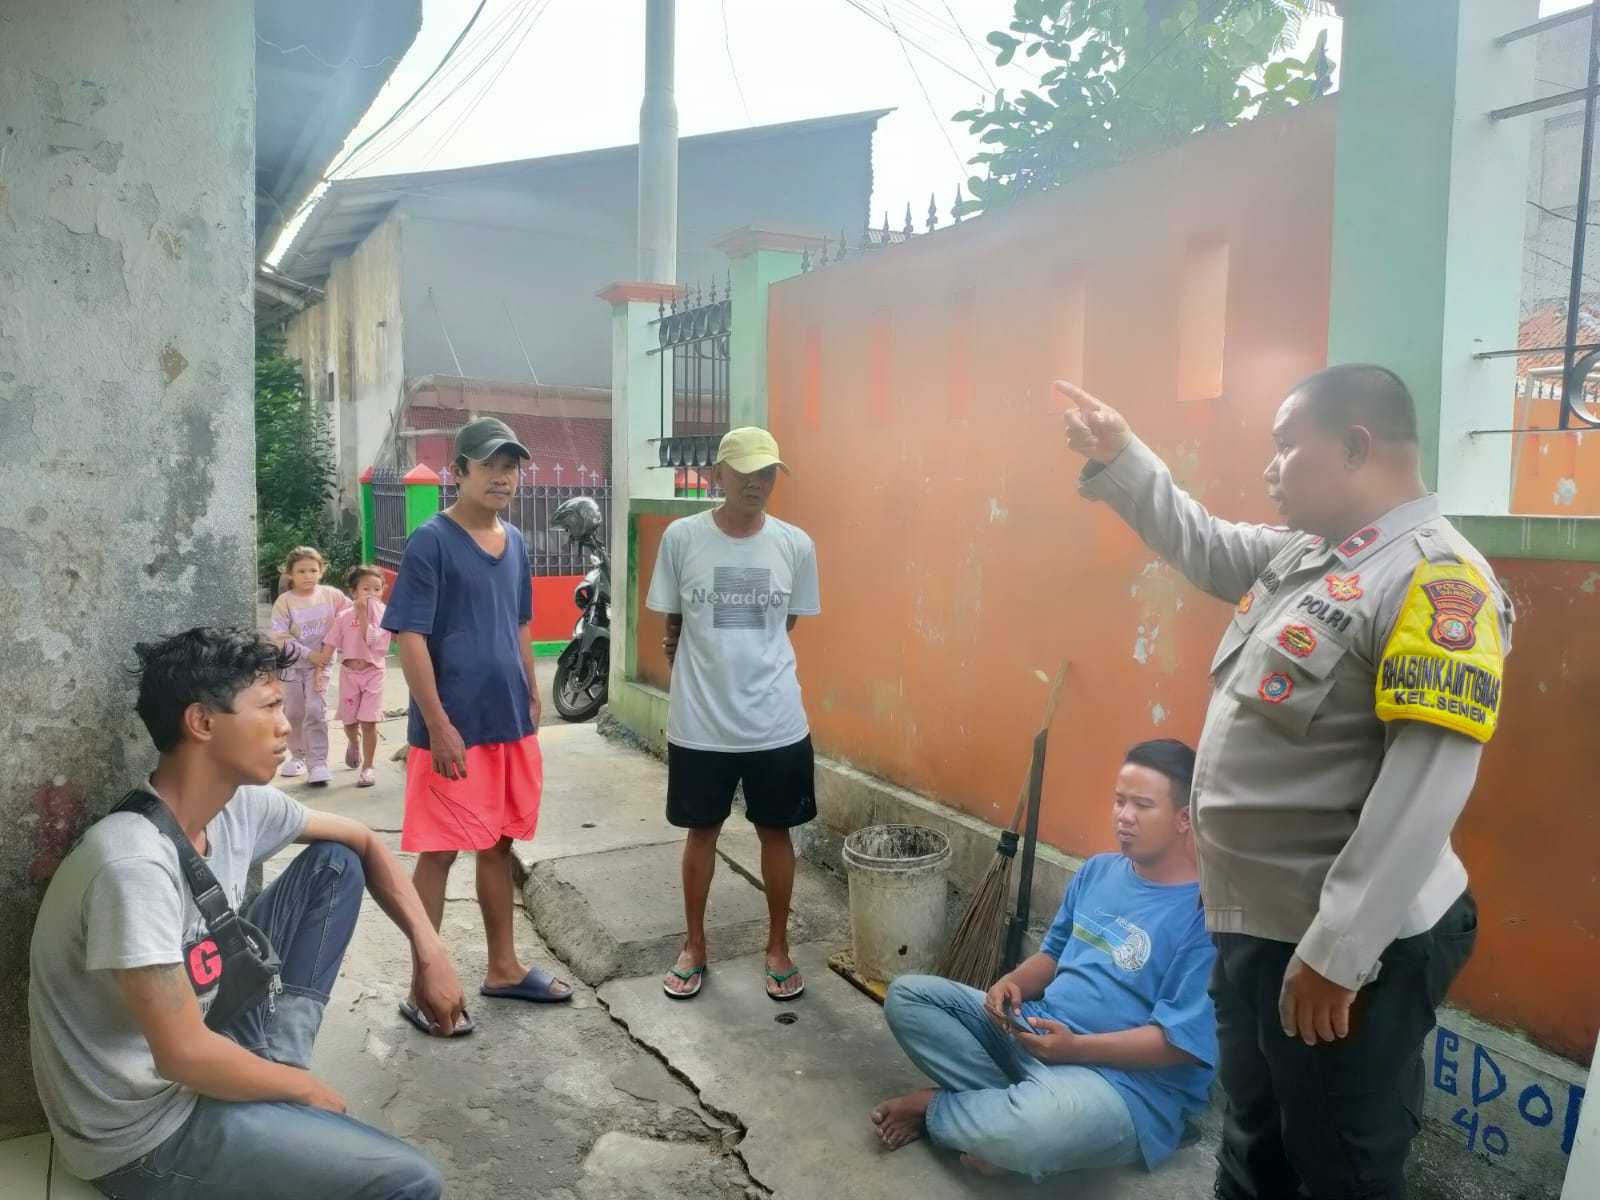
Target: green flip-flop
698, 974
774, 978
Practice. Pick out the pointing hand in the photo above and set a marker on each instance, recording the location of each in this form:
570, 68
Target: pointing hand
1095, 430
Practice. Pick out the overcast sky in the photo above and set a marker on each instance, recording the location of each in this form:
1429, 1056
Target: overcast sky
539, 77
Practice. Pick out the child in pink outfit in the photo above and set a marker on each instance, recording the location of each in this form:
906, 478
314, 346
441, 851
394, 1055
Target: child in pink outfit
301, 618
363, 646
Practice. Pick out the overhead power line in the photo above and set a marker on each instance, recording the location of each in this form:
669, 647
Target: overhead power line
466, 114
861, 8
727, 44
465, 29
973, 46
463, 71
921, 87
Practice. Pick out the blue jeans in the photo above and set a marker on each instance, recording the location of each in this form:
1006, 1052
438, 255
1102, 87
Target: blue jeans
998, 1102
280, 1151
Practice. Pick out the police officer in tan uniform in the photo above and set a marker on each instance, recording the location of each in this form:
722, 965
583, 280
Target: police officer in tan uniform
1351, 697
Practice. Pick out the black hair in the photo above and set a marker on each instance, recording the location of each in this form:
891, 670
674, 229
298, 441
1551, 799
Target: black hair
1361, 394
1170, 757
359, 572
205, 665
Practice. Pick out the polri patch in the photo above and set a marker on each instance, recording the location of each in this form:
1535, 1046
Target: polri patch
1325, 611
1276, 688
1245, 603
1345, 587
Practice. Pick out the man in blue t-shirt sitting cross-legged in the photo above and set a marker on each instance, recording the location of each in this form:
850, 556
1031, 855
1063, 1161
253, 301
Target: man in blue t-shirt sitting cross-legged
1091, 1052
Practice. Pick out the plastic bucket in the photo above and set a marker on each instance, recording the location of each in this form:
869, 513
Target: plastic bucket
897, 898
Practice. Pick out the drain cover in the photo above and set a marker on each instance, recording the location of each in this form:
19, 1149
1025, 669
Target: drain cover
786, 1018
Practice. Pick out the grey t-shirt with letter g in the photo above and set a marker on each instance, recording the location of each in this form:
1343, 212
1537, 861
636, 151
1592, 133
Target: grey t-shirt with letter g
119, 901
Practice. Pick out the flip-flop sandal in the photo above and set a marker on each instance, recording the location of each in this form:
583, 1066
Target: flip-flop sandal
774, 978
698, 974
420, 1021
537, 986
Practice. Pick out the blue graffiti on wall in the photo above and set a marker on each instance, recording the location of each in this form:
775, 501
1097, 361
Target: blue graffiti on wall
1488, 1082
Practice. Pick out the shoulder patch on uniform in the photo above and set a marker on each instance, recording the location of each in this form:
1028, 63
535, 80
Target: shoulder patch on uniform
1444, 662
1362, 539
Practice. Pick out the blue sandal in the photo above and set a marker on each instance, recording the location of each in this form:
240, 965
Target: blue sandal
419, 1019
537, 986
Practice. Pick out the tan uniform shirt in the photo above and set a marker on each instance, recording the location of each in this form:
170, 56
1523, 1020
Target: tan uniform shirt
1351, 694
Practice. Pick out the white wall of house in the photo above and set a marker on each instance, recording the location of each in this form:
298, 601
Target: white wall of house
351, 346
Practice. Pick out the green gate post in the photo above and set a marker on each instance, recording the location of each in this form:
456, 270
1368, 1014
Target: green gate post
422, 495
369, 531
758, 258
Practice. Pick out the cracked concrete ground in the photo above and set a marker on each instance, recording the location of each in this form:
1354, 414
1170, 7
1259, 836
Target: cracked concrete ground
627, 1094
557, 1099
624, 1093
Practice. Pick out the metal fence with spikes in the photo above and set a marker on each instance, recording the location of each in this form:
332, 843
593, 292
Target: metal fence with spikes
697, 330
828, 251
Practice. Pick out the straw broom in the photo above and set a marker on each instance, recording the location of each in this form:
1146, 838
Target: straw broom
974, 954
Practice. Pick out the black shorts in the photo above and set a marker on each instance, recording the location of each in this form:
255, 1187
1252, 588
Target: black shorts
779, 785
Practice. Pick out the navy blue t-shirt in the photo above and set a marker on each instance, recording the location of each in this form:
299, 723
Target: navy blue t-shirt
1129, 953
472, 607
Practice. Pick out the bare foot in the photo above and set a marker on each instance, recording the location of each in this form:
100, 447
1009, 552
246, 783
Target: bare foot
899, 1122
688, 960
974, 1163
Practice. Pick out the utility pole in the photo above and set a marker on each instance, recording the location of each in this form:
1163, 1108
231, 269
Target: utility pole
658, 149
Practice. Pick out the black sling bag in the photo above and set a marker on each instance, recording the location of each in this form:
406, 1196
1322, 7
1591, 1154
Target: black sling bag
245, 967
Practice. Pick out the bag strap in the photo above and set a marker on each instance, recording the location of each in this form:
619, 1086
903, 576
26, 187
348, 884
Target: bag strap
221, 921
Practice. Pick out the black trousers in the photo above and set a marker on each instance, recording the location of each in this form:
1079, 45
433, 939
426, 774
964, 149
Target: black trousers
1332, 1121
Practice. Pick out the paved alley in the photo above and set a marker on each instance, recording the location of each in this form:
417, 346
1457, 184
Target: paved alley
624, 1093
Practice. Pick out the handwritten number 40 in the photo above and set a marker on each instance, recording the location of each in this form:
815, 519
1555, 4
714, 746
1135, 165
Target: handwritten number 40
1492, 1136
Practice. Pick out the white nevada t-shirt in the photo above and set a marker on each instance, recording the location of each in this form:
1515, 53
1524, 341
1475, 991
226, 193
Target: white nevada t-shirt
734, 686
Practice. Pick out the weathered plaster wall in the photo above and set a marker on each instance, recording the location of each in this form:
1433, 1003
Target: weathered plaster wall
126, 438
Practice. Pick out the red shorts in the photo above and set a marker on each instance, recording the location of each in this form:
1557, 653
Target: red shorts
499, 798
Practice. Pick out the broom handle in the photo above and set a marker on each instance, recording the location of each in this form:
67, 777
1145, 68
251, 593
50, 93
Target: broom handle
1044, 727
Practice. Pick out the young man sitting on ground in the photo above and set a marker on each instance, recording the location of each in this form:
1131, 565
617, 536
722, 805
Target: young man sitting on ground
1091, 1052
143, 1096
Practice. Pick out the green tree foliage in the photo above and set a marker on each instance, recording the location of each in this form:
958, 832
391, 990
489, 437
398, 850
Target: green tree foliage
296, 470
1125, 77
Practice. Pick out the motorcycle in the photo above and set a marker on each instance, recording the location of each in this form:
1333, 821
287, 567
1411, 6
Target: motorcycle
583, 672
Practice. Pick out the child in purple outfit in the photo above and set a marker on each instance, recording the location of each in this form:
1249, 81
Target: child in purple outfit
301, 618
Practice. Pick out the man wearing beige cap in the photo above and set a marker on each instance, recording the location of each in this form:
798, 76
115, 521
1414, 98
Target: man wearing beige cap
731, 582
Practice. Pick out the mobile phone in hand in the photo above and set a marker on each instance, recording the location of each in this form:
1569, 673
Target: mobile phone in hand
1018, 1021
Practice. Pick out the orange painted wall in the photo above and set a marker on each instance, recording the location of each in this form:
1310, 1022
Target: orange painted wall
909, 392
1553, 473
1531, 834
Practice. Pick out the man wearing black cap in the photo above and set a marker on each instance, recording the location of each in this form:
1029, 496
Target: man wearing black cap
462, 611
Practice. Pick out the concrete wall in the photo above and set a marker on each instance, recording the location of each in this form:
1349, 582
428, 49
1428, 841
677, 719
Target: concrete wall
126, 439
540, 244
350, 345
